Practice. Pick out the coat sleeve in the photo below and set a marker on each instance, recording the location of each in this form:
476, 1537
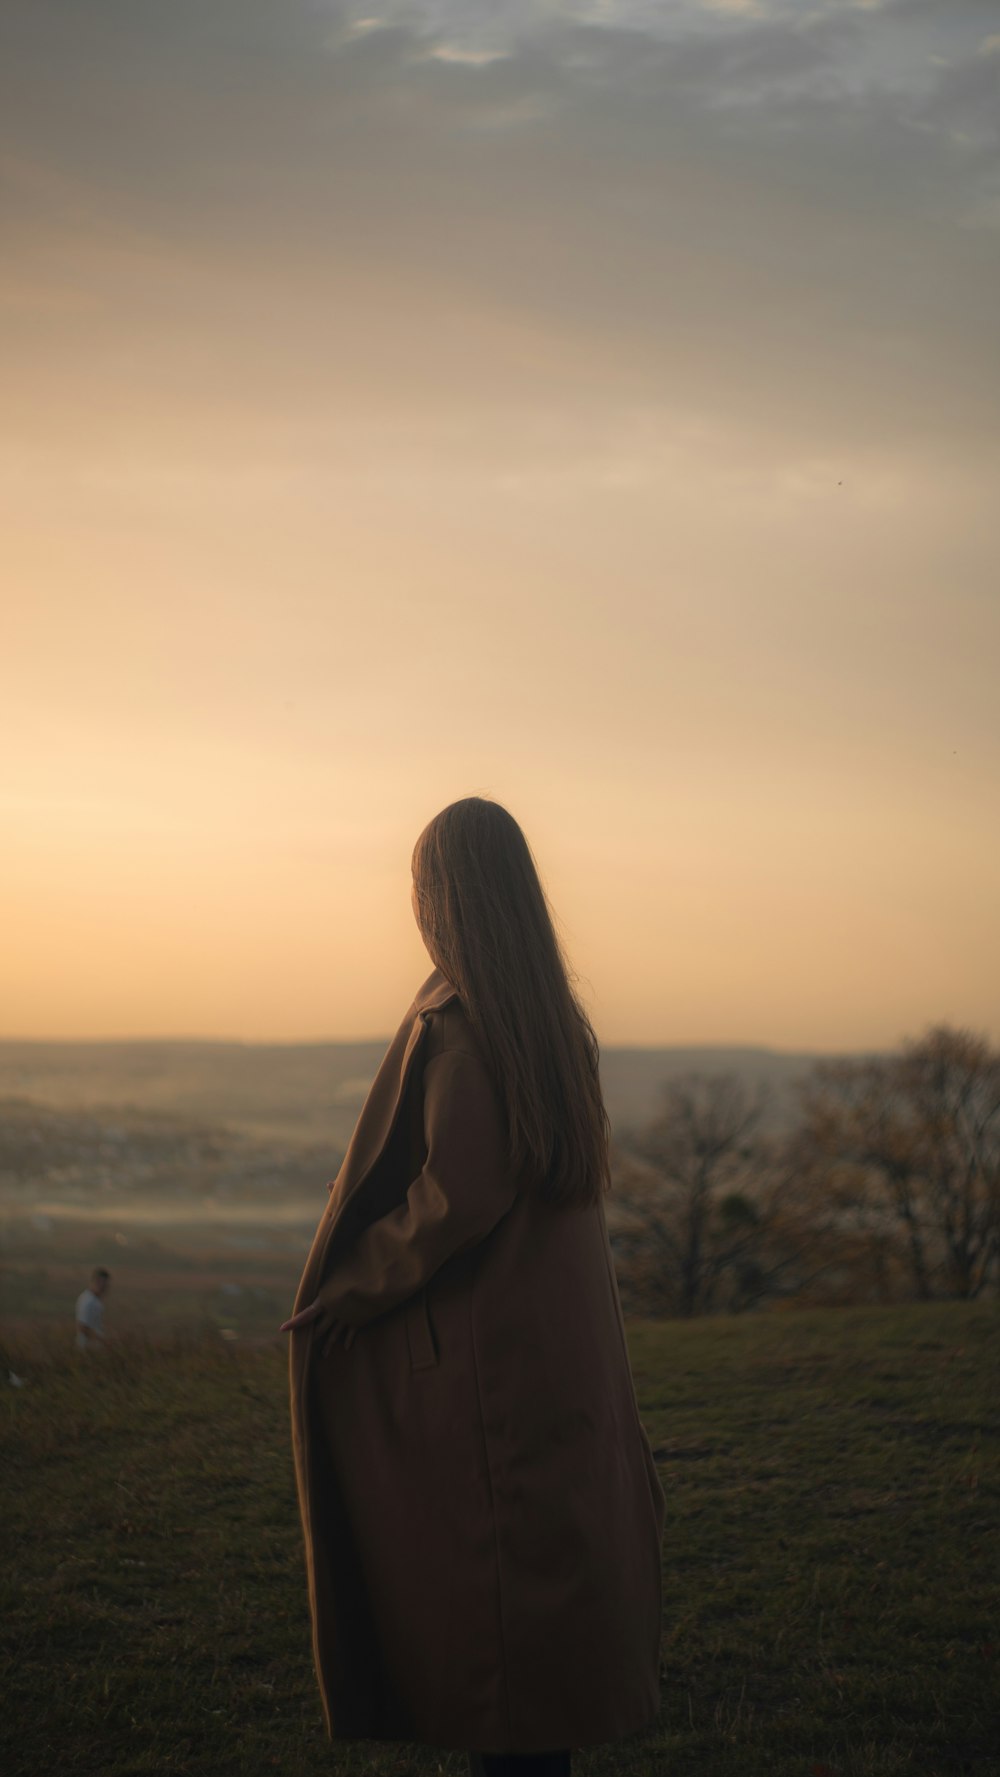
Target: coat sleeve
463, 1189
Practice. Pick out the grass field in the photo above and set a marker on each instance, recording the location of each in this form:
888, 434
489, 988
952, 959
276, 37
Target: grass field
831, 1559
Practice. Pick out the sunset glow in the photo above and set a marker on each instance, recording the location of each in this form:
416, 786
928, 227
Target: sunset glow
536, 403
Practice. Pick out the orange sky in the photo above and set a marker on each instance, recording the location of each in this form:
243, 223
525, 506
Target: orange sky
596, 418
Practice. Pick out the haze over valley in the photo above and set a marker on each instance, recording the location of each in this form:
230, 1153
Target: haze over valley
197, 1170
303, 1095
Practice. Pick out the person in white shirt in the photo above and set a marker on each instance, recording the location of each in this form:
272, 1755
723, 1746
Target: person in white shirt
90, 1311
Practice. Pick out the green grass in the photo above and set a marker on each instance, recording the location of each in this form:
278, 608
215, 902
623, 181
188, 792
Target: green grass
831, 1559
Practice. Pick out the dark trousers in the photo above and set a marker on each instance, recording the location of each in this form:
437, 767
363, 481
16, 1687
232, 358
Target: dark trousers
519, 1764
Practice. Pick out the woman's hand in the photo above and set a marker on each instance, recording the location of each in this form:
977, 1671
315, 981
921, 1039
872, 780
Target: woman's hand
302, 1319
332, 1334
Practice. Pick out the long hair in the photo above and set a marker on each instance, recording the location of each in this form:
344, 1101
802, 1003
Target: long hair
485, 920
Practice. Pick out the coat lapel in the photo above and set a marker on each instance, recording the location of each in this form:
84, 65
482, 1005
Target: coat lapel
385, 1098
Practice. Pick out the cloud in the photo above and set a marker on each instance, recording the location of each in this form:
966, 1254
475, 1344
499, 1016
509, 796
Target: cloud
470, 58
781, 218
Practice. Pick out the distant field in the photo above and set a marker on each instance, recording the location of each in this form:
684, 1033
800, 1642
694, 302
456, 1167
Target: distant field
236, 1274
292, 1092
830, 1559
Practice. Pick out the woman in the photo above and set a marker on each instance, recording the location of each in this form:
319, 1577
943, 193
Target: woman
481, 1508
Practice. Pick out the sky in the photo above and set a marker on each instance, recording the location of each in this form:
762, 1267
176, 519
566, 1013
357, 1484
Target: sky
592, 406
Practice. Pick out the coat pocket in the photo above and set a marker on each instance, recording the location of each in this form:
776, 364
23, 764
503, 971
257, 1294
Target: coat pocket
420, 1333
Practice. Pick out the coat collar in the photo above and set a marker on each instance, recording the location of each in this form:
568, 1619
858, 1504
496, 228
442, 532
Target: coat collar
437, 991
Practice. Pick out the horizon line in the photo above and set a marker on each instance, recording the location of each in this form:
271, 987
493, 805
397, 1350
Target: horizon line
232, 1042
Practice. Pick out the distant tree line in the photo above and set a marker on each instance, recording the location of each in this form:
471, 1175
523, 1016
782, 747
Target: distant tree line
885, 1187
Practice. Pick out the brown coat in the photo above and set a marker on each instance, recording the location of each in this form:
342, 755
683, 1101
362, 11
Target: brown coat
481, 1508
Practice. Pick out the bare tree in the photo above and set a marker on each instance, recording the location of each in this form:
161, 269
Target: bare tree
951, 1083
704, 1197
855, 1116
919, 1132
